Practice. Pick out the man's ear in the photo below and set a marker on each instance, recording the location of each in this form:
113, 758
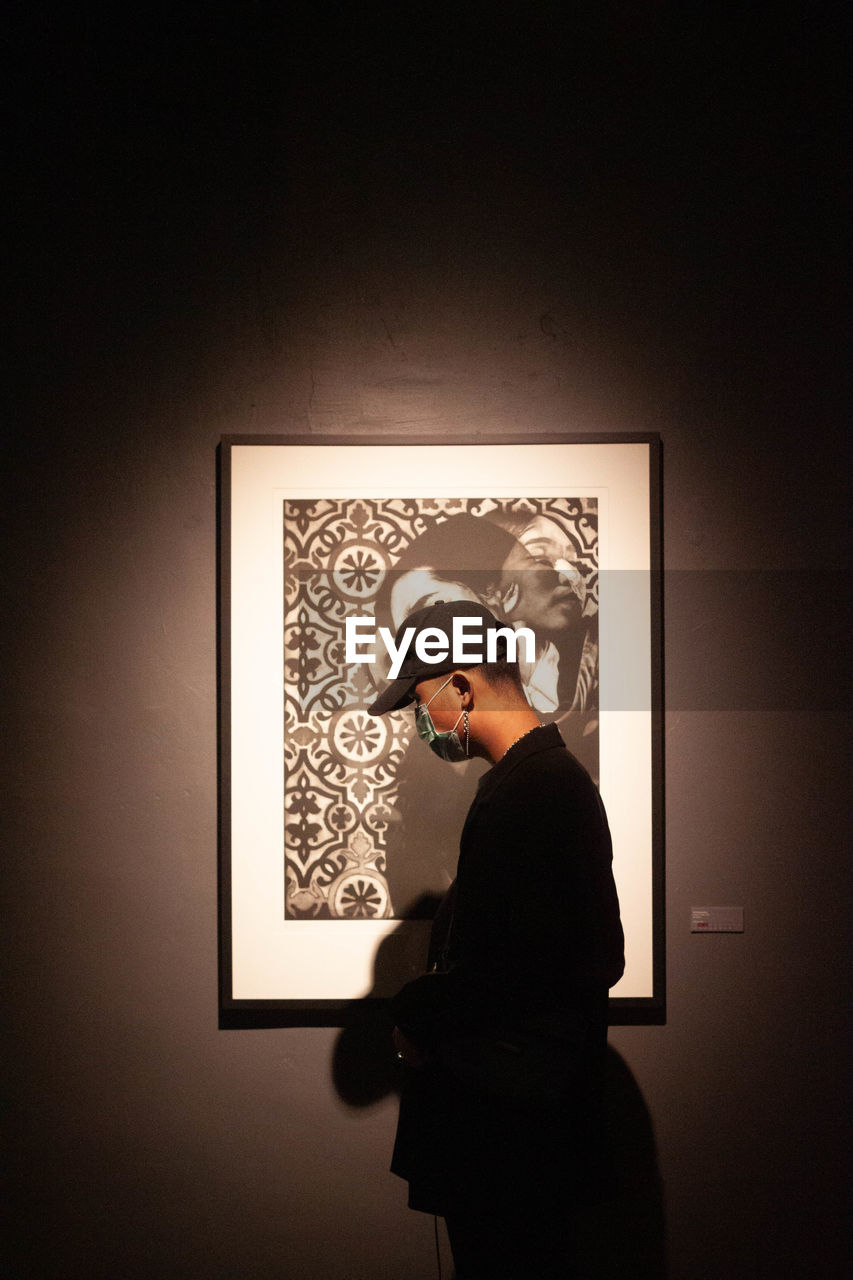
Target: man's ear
463, 687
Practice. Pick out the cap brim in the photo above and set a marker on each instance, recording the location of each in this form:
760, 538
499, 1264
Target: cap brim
399, 693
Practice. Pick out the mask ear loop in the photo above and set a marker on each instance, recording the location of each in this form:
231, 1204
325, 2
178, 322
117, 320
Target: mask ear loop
465, 727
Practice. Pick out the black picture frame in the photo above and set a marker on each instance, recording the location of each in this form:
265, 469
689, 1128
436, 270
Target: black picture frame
255, 473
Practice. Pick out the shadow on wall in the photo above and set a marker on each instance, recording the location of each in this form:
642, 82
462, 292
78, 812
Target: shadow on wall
364, 1068
624, 1238
621, 1239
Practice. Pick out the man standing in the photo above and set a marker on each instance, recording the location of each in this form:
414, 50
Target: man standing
503, 1042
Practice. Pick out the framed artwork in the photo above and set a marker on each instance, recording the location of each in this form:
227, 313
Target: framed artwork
338, 832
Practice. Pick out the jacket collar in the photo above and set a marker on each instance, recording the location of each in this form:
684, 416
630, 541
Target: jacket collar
543, 738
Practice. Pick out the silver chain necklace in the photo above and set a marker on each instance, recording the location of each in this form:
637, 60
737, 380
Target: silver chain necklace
522, 735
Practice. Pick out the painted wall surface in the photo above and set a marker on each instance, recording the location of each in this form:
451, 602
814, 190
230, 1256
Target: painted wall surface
254, 218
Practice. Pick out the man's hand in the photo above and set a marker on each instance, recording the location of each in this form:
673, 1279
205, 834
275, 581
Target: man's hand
405, 1050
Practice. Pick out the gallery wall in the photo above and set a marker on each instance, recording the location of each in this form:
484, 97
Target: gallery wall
261, 218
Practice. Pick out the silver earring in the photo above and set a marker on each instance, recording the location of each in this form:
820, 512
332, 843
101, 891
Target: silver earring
465, 727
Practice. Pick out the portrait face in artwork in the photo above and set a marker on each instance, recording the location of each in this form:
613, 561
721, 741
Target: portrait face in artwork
541, 585
457, 559
421, 587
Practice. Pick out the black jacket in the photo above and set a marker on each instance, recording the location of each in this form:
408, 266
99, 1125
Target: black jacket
526, 946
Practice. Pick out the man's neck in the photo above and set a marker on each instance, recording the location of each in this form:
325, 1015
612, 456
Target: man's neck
500, 732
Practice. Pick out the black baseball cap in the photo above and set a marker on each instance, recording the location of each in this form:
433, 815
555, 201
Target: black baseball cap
437, 617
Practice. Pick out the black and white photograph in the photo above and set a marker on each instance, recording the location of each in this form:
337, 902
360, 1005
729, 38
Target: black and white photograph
357, 797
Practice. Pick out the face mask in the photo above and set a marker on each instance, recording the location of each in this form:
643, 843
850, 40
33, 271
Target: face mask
445, 745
